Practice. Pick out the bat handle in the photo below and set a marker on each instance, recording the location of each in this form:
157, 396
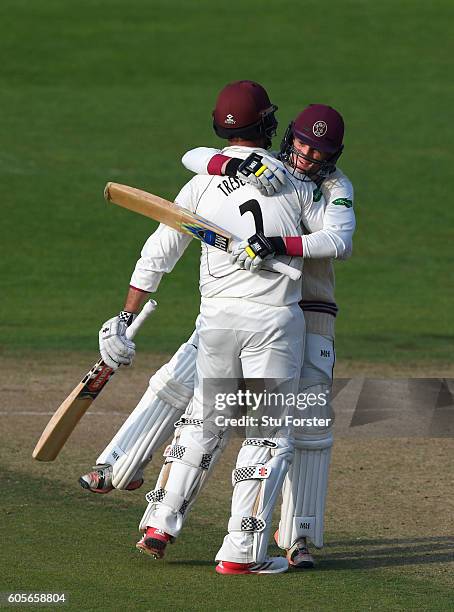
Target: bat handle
283, 268
273, 264
140, 319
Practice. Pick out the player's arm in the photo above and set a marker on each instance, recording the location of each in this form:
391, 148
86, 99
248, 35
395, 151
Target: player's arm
159, 255
263, 172
334, 240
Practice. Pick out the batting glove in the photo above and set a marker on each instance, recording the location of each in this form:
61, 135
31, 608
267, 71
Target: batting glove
115, 348
244, 257
263, 172
250, 254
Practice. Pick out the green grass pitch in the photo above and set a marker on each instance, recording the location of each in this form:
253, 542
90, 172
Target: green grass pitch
58, 538
105, 90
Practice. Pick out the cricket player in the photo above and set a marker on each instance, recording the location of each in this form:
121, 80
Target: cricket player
308, 154
171, 387
246, 329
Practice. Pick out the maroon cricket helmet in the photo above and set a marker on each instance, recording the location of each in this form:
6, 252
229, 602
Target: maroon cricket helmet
244, 110
322, 128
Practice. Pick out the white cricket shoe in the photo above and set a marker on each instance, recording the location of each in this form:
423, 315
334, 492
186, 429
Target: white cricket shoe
271, 565
298, 555
100, 480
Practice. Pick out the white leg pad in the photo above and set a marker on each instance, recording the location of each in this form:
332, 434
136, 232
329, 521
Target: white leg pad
189, 459
257, 480
152, 421
304, 492
306, 484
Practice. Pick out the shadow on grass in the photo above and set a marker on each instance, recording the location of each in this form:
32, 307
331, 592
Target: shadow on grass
370, 553
194, 562
386, 552
42, 498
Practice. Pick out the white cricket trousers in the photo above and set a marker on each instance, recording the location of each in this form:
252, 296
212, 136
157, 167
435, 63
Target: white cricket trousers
237, 338
242, 338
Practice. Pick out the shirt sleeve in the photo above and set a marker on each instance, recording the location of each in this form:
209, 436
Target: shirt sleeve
159, 255
197, 160
336, 237
163, 248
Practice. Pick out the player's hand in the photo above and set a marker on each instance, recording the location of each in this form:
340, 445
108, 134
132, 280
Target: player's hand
115, 348
263, 172
244, 259
250, 254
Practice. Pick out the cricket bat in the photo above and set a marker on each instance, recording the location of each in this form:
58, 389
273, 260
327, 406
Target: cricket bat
66, 417
183, 221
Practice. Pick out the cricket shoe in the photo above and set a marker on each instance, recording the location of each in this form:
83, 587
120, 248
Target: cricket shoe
154, 542
100, 480
298, 555
271, 565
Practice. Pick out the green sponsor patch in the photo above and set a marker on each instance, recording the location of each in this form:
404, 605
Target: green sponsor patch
317, 194
343, 202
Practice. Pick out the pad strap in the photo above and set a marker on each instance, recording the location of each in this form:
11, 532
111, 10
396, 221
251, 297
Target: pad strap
246, 523
170, 390
187, 421
259, 442
250, 472
188, 456
167, 498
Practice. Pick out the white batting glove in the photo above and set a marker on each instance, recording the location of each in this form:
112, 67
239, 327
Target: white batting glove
115, 348
263, 172
243, 256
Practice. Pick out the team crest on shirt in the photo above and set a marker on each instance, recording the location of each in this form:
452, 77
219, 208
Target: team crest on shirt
230, 119
319, 128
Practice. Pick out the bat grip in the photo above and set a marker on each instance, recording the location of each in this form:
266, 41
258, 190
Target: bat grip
140, 319
283, 268
274, 264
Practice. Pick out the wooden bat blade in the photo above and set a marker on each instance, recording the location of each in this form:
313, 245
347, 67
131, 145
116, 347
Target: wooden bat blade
69, 413
168, 213
61, 426
184, 221
144, 203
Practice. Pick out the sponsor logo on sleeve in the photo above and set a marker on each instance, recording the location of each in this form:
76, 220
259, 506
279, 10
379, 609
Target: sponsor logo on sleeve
343, 202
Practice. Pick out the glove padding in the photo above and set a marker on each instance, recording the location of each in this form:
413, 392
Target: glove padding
252, 253
263, 172
115, 348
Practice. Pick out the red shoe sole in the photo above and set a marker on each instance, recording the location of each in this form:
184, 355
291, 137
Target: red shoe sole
86, 486
220, 569
153, 547
135, 484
